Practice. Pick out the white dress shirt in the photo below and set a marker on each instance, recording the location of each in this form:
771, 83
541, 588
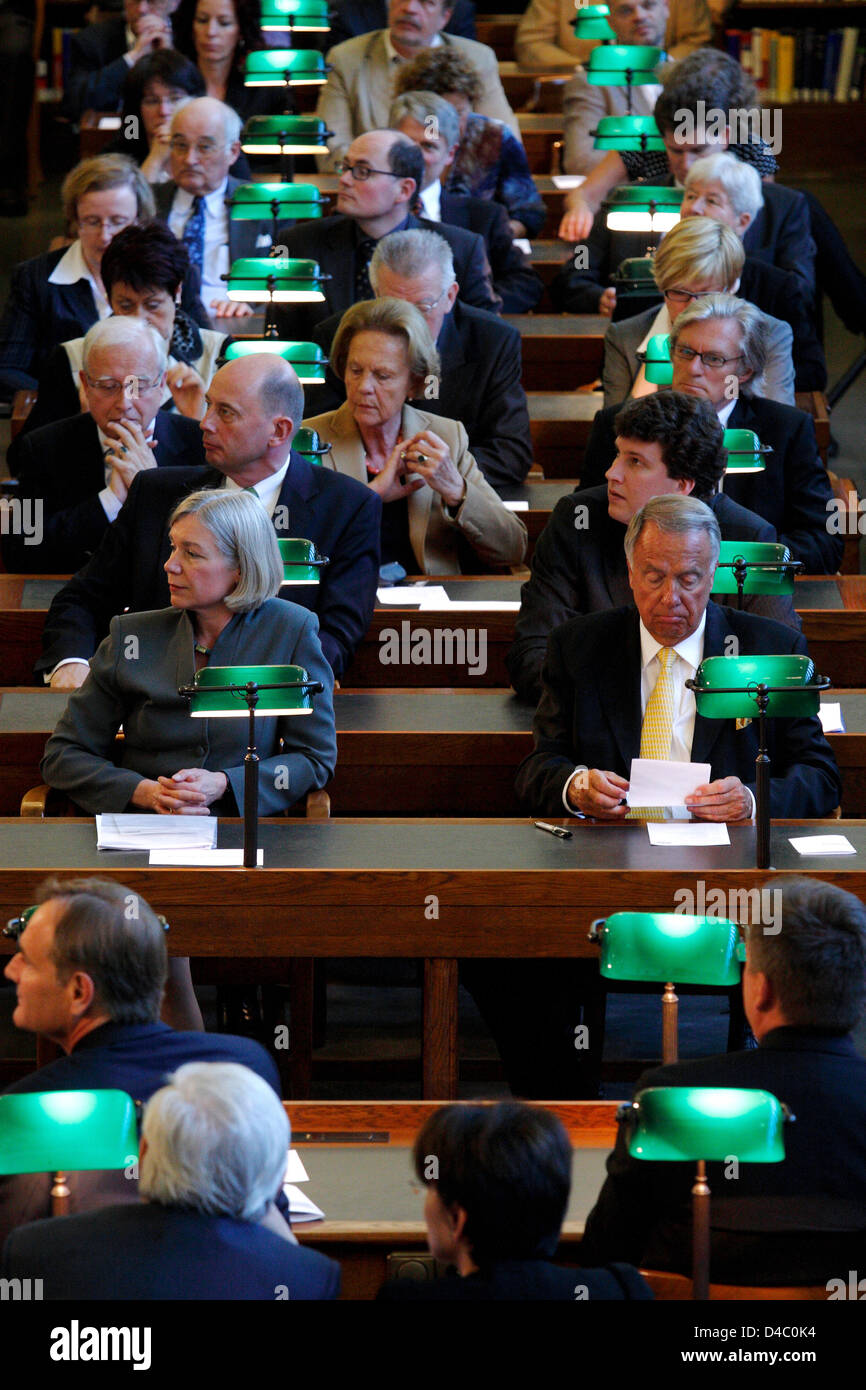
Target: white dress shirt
216, 237
431, 201
724, 416
71, 268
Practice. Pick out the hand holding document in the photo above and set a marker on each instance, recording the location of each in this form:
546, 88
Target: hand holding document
658, 782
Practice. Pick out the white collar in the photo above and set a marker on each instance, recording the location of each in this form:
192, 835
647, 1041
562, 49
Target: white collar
431, 201
394, 56
725, 413
267, 489
660, 324
691, 649
71, 267
214, 201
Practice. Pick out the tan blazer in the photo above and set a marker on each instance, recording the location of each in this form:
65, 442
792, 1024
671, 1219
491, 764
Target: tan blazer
496, 533
583, 106
545, 34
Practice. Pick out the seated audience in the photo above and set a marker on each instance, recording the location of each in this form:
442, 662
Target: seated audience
360, 86
479, 354
546, 37
213, 1153
101, 55
352, 17
121, 433
255, 405
666, 443
801, 1221
379, 182
417, 115
498, 1179
217, 35
793, 491
490, 161
59, 294
154, 89
437, 504
224, 570
144, 271
697, 257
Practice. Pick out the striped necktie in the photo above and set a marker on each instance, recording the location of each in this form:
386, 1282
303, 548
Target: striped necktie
658, 726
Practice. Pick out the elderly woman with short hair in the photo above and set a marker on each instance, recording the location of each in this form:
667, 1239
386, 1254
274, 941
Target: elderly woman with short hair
434, 495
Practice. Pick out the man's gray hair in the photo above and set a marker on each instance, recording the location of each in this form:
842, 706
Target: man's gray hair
122, 331
217, 1139
410, 254
280, 391
231, 121
676, 516
753, 325
245, 536
425, 107
740, 181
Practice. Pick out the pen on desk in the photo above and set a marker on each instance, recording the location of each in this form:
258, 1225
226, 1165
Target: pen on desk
558, 830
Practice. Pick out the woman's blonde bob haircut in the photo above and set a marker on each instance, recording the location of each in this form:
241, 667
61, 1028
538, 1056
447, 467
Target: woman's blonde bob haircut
245, 536
103, 171
399, 320
698, 248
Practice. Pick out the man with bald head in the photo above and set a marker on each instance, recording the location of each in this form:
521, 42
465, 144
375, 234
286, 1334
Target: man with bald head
254, 407
195, 202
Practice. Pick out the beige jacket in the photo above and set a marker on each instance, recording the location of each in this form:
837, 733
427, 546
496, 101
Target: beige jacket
496, 533
583, 106
545, 34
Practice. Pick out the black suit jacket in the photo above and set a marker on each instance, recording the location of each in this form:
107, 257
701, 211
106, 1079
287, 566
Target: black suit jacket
782, 234
97, 68
590, 714
61, 469
243, 235
778, 1223
351, 17
149, 1251
514, 1281
342, 516
581, 568
331, 242
514, 280
480, 386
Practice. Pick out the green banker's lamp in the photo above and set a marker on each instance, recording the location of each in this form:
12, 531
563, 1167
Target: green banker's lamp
673, 1124
274, 280
649, 208
658, 367
624, 65
301, 560
633, 279
654, 947
285, 136
745, 451
284, 67
308, 359
754, 567
639, 133
295, 16
237, 692
61, 1132
310, 445
282, 202
743, 687
592, 22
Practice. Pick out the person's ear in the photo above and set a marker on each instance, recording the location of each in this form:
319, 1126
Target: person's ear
234, 151
763, 993
458, 1217
685, 486
453, 291
745, 221
81, 992
408, 189
452, 154
282, 431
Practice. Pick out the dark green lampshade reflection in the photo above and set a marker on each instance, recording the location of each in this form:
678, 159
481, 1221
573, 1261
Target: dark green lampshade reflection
280, 67
591, 22
302, 562
302, 16
634, 278
54, 1131
794, 693
661, 946
779, 580
623, 65
232, 704
657, 363
288, 202
310, 445
643, 207
745, 451
308, 359
285, 135
628, 133
676, 1123
275, 280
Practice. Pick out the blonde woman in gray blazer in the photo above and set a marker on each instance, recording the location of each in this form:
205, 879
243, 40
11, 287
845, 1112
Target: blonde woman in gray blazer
436, 500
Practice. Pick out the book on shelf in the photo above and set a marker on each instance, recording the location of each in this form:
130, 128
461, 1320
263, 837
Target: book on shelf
807, 64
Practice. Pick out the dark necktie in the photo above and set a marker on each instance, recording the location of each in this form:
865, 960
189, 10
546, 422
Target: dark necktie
363, 256
193, 233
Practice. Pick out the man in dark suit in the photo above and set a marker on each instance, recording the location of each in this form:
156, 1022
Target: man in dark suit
498, 1179
213, 1152
247, 443
480, 356
381, 178
352, 17
665, 443
793, 492
73, 476
102, 54
802, 1221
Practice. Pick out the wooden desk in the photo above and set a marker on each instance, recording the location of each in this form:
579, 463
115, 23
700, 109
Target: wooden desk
560, 351
535, 89
561, 423
498, 31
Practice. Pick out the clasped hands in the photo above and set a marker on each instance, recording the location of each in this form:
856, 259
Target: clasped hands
190, 792
600, 794
425, 458
130, 454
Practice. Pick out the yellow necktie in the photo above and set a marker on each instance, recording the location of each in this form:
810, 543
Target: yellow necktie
658, 720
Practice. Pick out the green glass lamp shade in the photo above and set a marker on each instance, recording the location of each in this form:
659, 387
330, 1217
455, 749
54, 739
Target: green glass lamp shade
308, 359
643, 208
794, 689
677, 1123
634, 277
628, 133
657, 364
231, 704
591, 22
53, 1131
310, 445
288, 202
285, 135
745, 451
281, 67
302, 16
301, 561
778, 580
661, 946
623, 65
275, 280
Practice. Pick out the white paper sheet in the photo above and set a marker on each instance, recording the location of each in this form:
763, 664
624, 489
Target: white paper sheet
523, 244
404, 596
109, 123
517, 506
823, 844
657, 782
831, 719
481, 605
144, 832
669, 833
301, 1207
295, 1170
568, 180
201, 858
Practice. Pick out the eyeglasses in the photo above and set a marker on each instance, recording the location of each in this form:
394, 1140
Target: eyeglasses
15, 926
114, 224
178, 145
427, 306
684, 296
172, 98
361, 172
130, 386
709, 359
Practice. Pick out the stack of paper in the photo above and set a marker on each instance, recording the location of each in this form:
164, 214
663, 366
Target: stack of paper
301, 1207
146, 832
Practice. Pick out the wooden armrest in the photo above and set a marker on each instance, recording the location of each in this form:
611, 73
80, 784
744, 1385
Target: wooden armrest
35, 802
318, 805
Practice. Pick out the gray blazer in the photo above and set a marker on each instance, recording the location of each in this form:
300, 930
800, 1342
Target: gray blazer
621, 365
134, 679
